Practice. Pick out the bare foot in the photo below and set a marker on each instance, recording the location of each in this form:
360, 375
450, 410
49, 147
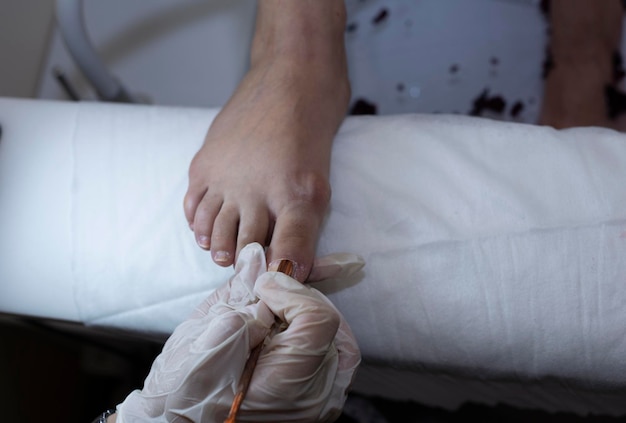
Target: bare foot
262, 173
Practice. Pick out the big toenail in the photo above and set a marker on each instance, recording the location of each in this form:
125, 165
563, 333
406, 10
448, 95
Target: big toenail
288, 267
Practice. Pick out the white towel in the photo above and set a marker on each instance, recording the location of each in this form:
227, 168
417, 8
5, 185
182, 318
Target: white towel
495, 252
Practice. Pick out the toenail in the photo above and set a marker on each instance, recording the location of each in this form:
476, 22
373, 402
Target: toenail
288, 267
221, 256
203, 241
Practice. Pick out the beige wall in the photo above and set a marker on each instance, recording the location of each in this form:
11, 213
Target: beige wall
24, 31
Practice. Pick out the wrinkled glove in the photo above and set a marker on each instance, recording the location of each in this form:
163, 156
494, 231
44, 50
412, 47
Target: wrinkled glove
303, 373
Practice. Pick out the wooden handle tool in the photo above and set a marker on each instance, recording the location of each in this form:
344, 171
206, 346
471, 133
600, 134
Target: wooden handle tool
284, 266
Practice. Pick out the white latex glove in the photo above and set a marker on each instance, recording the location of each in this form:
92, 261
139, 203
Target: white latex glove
303, 373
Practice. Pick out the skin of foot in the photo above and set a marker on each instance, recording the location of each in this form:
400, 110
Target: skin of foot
262, 174
584, 35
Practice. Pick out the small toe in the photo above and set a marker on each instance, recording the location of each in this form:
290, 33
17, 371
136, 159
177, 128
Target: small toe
224, 235
204, 219
192, 200
253, 227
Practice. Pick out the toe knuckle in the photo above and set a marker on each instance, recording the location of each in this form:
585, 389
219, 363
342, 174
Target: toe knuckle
311, 189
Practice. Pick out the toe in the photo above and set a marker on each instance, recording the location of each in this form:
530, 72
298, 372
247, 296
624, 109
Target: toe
295, 238
192, 200
224, 235
203, 220
298, 223
253, 227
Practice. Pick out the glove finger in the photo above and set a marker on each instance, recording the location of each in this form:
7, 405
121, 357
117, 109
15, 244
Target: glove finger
297, 353
348, 360
238, 291
311, 318
347, 348
339, 265
296, 373
184, 373
215, 362
255, 318
195, 337
315, 327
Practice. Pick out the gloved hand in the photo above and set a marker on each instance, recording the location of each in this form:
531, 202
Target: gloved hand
303, 373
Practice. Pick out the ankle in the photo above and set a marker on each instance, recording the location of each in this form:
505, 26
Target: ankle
324, 88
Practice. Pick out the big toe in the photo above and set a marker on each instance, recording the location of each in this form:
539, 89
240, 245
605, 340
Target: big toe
295, 238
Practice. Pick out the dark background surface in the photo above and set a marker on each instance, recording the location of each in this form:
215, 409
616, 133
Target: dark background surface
57, 373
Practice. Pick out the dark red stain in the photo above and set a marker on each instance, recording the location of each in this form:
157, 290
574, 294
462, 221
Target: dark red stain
615, 101
618, 66
544, 6
548, 64
485, 102
363, 107
381, 16
517, 108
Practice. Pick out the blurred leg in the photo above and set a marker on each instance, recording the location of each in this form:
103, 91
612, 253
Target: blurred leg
584, 37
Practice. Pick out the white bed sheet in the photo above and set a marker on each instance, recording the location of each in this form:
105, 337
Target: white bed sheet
495, 252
